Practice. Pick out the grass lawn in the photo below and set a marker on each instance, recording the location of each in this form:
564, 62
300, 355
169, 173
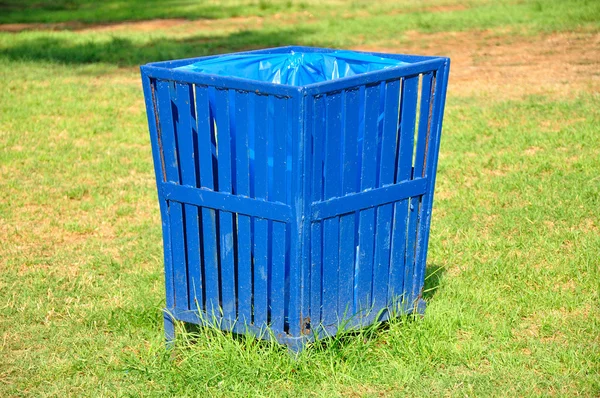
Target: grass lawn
514, 262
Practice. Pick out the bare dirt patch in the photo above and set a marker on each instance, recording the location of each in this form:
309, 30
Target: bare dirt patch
446, 8
505, 66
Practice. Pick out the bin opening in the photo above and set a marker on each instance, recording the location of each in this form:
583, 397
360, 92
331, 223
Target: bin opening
293, 68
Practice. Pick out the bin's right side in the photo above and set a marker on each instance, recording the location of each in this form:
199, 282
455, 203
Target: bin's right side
370, 159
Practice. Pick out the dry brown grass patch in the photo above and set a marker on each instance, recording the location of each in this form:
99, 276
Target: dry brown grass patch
490, 64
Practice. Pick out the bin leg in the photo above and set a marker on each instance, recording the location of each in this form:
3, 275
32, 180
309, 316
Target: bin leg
169, 329
420, 307
296, 345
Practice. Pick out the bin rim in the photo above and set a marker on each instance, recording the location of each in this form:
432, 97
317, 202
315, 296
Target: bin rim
414, 65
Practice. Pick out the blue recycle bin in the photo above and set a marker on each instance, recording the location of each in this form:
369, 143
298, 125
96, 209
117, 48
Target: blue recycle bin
295, 186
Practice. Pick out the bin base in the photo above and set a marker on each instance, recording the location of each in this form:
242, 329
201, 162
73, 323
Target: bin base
295, 344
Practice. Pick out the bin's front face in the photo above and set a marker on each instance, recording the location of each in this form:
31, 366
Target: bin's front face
297, 208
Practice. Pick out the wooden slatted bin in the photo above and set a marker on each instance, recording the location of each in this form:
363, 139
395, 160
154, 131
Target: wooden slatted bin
292, 211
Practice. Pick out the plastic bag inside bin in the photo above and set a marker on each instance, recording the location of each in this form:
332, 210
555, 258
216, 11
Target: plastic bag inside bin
293, 68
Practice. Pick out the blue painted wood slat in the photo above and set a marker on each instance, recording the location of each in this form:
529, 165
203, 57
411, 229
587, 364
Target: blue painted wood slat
423, 136
228, 202
367, 199
244, 122
386, 177
186, 140
166, 108
368, 178
332, 188
205, 114
261, 226
224, 107
277, 293
409, 127
408, 109
347, 237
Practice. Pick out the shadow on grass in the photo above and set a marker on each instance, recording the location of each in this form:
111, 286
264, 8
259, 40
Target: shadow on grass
124, 52
433, 278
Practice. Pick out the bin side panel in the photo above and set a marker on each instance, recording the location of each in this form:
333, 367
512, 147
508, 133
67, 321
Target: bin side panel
367, 216
226, 160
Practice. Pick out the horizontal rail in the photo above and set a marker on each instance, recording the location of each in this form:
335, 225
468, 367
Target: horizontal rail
367, 199
227, 202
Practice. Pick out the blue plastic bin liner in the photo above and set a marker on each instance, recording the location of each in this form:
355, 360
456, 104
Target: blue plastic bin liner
293, 68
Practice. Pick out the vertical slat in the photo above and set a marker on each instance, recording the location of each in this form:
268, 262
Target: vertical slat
411, 235
386, 177
364, 280
408, 110
260, 246
347, 221
418, 171
405, 172
186, 140
166, 95
332, 189
227, 271
244, 118
277, 296
316, 283
205, 128
150, 95
432, 151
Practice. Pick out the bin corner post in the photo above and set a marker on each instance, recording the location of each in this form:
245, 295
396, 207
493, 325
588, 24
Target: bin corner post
420, 306
151, 101
296, 345
305, 210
